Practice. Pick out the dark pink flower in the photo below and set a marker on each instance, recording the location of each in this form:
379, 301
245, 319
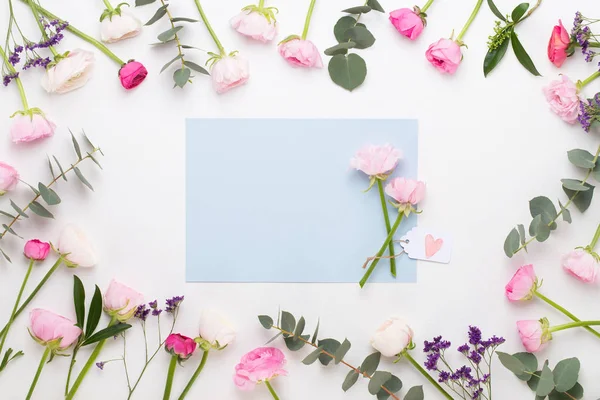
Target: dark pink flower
180, 346
132, 74
36, 250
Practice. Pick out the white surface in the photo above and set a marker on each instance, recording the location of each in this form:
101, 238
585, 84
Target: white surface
487, 147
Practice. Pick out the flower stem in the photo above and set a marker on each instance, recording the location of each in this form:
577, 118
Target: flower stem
109, 7
426, 6
388, 226
189, 385
38, 373
585, 82
170, 374
470, 21
176, 36
364, 279
595, 239
308, 18
261, 4
426, 375
573, 325
271, 390
17, 79
531, 10
565, 312
210, 29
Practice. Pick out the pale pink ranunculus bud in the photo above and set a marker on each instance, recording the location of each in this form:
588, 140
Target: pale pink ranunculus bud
76, 249
259, 365
36, 250
9, 177
582, 265
407, 22
121, 301
406, 191
119, 27
301, 53
28, 127
534, 334
255, 25
181, 346
444, 55
393, 337
560, 40
69, 73
563, 97
50, 329
522, 285
229, 72
215, 329
376, 160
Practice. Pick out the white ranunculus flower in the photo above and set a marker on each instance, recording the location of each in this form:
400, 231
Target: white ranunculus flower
69, 73
77, 250
215, 329
229, 72
119, 27
393, 337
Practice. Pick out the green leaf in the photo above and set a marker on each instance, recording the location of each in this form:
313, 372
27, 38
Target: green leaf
511, 244
374, 4
195, 67
183, 19
512, 363
582, 200
566, 214
330, 346
543, 206
76, 145
18, 210
314, 338
341, 352
143, 2
575, 393
357, 10
370, 364
519, 11
312, 357
531, 364
534, 381
522, 235
5, 256
10, 230
596, 172
394, 384
62, 173
581, 158
161, 12
94, 313
7, 214
566, 374
40, 210
494, 56
181, 76
34, 190
415, 393
273, 338
106, 333
185, 46
350, 380
574, 184
546, 384
361, 36
295, 344
300, 327
342, 26
522, 55
288, 322
340, 48
378, 379
539, 229
79, 301
495, 10
51, 167
49, 195
167, 65
169, 34
94, 160
348, 71
265, 321
82, 178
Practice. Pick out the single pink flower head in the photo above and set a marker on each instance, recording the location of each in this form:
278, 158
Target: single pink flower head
255, 25
563, 98
36, 250
407, 22
53, 330
132, 74
535, 335
445, 55
261, 364
582, 265
522, 285
560, 41
28, 127
301, 53
180, 346
376, 160
229, 72
121, 301
407, 192
9, 177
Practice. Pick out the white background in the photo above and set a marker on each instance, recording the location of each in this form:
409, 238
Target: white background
487, 146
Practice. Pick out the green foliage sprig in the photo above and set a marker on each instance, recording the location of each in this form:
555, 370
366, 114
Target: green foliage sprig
382, 384
183, 74
558, 384
543, 210
349, 70
504, 34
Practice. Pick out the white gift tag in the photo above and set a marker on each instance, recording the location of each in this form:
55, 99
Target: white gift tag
427, 245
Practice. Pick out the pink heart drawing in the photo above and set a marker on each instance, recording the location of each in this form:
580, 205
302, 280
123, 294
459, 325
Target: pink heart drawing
432, 246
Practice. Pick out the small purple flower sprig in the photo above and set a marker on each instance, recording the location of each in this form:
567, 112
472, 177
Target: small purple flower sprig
473, 380
589, 111
582, 36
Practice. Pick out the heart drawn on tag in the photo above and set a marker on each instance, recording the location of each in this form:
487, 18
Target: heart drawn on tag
432, 245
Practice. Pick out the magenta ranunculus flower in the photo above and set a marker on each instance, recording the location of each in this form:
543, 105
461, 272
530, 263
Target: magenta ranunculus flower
31, 125
50, 329
407, 22
376, 160
535, 335
522, 285
36, 250
9, 177
301, 53
563, 98
132, 74
260, 365
445, 55
582, 265
181, 346
255, 25
121, 301
407, 192
558, 45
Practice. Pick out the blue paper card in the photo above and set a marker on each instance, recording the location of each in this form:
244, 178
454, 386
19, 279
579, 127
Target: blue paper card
275, 200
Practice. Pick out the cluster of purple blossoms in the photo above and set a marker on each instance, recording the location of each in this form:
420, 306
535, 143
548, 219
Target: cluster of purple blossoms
6, 79
582, 34
53, 32
173, 304
142, 312
155, 310
36, 62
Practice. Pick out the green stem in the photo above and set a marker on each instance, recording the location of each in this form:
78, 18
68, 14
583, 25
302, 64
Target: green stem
38, 373
189, 385
531, 10
594, 44
17, 80
261, 4
426, 375
271, 390
426, 6
109, 6
388, 226
16, 306
565, 312
308, 18
584, 83
210, 29
364, 279
170, 374
470, 21
595, 239
71, 365
570, 325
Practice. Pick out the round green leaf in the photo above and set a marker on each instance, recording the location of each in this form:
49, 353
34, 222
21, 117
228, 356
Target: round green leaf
342, 26
566, 374
348, 71
361, 36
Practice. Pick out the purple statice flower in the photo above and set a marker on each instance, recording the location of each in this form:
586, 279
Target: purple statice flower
589, 112
6, 79
475, 357
477, 394
14, 58
173, 303
142, 312
463, 349
156, 312
153, 304
100, 365
437, 345
18, 48
444, 377
582, 35
432, 360
36, 62
474, 335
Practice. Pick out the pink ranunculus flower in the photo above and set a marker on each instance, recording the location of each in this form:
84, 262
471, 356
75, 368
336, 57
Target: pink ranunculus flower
563, 98
70, 72
406, 191
132, 74
75, 248
301, 53
445, 55
261, 364
36, 250
376, 160
9, 177
50, 329
558, 45
229, 72
393, 337
255, 25
535, 335
181, 346
407, 22
121, 301
582, 265
31, 125
522, 285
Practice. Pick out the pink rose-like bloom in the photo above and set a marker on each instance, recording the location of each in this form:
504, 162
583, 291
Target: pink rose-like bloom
9, 177
27, 128
48, 327
376, 160
406, 191
180, 346
254, 25
132, 74
445, 55
36, 250
229, 72
301, 53
534, 334
522, 285
121, 301
407, 22
559, 42
563, 99
581, 264
261, 364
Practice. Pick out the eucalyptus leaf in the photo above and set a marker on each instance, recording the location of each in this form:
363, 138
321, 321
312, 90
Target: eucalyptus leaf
82, 178
574, 393
288, 323
378, 379
7, 214
265, 321
393, 385
522, 55
76, 145
534, 381
511, 244
300, 327
294, 344
574, 184
582, 200
18, 209
374, 4
6, 257
169, 34
543, 206
274, 338
143, 2
94, 313
161, 12
340, 48
530, 362
195, 67
330, 346
361, 36
183, 19
539, 229
519, 11
342, 26
348, 71
167, 65
51, 167
581, 158
512, 363
566, 214
546, 383
315, 335
350, 380
415, 393
566, 374
370, 364
357, 10
341, 352
181, 76
94, 160
522, 234
494, 56
10, 230
49, 195
40, 210
312, 357
62, 172
495, 10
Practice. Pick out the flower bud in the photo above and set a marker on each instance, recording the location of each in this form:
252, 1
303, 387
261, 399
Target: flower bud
393, 337
50, 329
36, 250
522, 285
181, 346
120, 301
